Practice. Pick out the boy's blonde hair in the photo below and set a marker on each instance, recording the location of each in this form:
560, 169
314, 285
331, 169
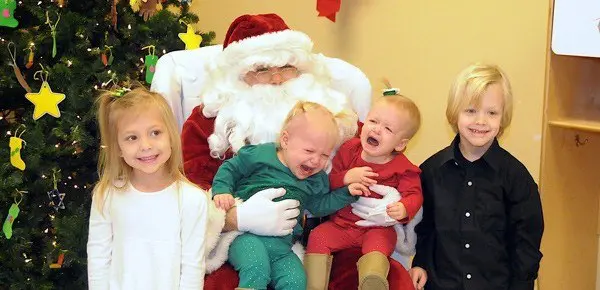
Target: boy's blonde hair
470, 85
403, 104
344, 122
111, 107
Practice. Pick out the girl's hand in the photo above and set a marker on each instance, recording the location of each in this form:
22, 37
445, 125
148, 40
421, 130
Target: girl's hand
396, 210
358, 189
224, 201
418, 276
361, 175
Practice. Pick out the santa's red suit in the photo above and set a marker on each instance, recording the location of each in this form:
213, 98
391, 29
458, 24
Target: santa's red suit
224, 114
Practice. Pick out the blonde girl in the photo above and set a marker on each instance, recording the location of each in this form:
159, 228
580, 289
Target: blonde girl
148, 222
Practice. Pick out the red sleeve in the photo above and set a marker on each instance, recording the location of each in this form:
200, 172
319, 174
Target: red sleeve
410, 190
341, 163
198, 165
338, 170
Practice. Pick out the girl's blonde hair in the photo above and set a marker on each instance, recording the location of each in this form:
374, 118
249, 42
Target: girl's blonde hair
115, 173
403, 104
344, 123
470, 85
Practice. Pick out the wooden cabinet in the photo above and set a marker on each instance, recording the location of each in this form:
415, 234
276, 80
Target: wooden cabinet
570, 163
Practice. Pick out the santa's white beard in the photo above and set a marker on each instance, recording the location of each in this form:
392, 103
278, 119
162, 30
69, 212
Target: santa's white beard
254, 115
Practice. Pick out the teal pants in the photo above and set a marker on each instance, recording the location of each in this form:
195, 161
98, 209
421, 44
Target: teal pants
262, 261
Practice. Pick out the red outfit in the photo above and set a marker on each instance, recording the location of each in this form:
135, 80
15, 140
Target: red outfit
200, 168
330, 237
341, 232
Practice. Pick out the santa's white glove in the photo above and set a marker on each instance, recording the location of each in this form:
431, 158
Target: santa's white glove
373, 211
262, 216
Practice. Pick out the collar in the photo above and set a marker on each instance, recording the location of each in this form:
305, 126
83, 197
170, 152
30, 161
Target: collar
493, 156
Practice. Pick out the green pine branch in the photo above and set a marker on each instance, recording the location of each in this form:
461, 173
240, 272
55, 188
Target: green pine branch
69, 143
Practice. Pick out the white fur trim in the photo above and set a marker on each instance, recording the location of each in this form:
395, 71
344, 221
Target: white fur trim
407, 238
277, 48
216, 221
299, 250
218, 256
217, 243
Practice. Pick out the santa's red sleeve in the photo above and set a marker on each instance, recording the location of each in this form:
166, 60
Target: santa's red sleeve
199, 166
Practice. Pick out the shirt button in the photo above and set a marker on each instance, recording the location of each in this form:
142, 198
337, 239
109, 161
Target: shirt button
469, 276
467, 214
455, 163
469, 183
467, 246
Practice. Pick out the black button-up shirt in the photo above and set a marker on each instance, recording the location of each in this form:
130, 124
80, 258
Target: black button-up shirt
482, 222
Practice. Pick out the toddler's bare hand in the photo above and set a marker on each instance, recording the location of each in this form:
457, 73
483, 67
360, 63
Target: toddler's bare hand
358, 189
397, 211
363, 175
224, 201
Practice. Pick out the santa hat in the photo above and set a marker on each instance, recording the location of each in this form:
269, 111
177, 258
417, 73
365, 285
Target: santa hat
264, 40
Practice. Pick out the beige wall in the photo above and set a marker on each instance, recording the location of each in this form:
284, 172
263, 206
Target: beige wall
420, 46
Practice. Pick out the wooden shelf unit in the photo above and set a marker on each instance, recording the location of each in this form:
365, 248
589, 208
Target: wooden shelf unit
581, 125
570, 173
573, 89
570, 189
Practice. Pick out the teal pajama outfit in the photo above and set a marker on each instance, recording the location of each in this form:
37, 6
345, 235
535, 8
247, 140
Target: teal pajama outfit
262, 260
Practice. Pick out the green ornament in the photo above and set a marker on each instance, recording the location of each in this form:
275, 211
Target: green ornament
150, 61
7, 8
13, 212
52, 31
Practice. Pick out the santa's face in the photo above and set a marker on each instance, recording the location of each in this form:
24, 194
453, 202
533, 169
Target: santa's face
271, 75
305, 150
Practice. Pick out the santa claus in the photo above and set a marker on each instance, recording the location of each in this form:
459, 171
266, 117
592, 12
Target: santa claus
240, 94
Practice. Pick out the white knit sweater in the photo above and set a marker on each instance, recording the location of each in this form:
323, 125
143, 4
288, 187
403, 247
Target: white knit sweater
149, 240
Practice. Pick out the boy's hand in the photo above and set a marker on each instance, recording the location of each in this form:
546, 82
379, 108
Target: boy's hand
418, 276
361, 175
224, 201
396, 210
358, 189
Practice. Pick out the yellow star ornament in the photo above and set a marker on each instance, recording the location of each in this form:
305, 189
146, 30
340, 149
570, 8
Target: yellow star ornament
45, 102
190, 38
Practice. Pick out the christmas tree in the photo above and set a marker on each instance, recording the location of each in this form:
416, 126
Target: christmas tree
55, 57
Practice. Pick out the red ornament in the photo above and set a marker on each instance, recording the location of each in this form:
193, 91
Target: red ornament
104, 59
328, 8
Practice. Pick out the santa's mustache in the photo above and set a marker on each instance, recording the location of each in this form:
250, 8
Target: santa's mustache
268, 93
